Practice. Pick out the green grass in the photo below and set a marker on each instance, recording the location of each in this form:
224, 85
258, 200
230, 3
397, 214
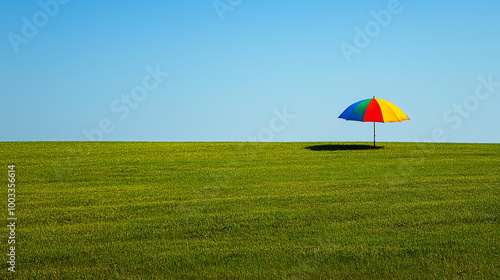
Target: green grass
254, 210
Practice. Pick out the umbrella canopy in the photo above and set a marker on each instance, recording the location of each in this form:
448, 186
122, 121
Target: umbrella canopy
374, 110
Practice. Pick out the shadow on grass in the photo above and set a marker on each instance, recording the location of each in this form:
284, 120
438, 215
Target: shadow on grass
342, 147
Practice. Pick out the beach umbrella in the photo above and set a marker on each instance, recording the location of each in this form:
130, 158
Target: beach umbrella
373, 110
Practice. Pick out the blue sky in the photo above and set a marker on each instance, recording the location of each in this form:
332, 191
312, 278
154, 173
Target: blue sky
239, 70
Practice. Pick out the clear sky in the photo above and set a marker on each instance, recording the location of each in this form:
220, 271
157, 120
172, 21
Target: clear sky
240, 70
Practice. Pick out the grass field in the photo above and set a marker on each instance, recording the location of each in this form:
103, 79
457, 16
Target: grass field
121, 210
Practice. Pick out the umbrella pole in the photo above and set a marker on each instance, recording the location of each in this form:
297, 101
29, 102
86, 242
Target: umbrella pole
374, 129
